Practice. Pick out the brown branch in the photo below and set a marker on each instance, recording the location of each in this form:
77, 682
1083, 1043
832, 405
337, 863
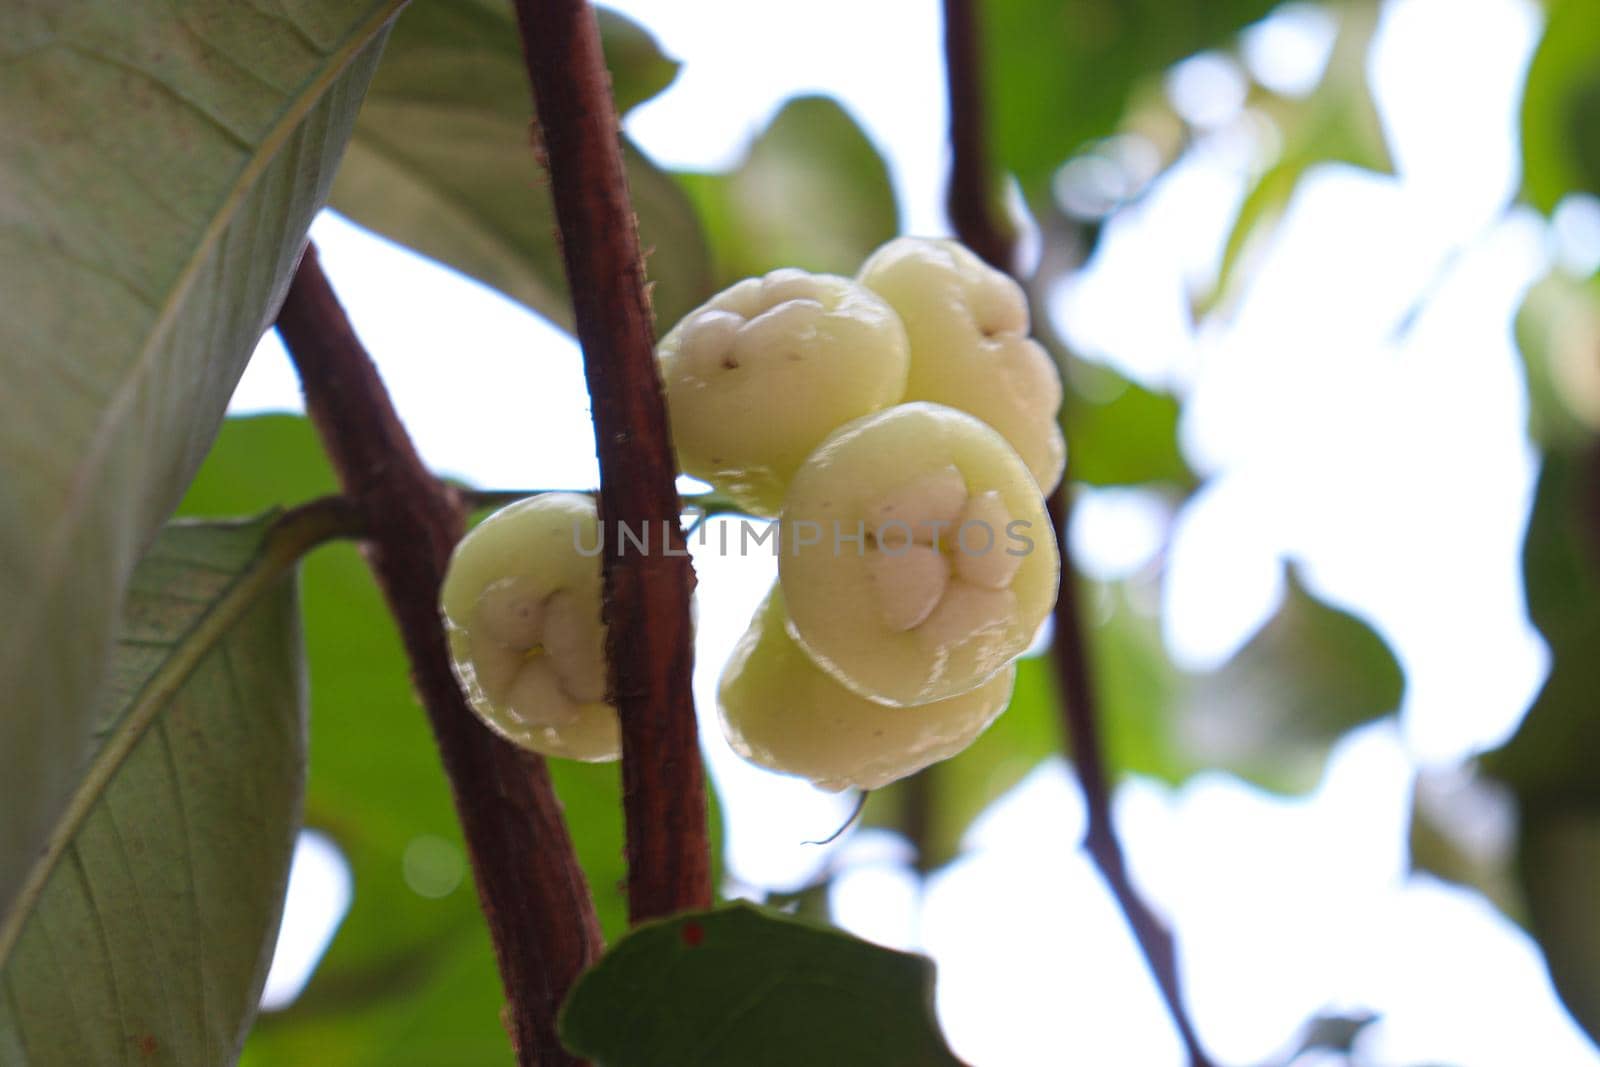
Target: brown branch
969, 201
650, 642
534, 895
1069, 652
971, 214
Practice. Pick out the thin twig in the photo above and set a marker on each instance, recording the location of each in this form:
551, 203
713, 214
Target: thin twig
534, 894
971, 214
650, 639
704, 505
1081, 721
316, 522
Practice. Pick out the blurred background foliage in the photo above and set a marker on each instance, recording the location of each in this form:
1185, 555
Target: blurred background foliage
1079, 124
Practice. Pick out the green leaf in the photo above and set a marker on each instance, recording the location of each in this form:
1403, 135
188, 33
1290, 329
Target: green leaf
145, 930
1337, 123
375, 782
1269, 714
1272, 711
953, 793
1061, 73
740, 985
1330, 1032
443, 161
442, 1008
1120, 433
1549, 763
1552, 756
1561, 106
638, 69
811, 193
375, 787
1558, 860
163, 159
1447, 838
408, 979
1558, 333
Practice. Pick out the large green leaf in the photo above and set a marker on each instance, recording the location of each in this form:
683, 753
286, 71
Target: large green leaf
1269, 714
739, 986
1061, 72
144, 932
1549, 764
1119, 432
409, 979
375, 782
812, 193
405, 972
1561, 106
161, 161
442, 159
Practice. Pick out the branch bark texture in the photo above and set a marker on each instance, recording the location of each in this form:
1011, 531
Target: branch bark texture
969, 200
534, 894
649, 636
971, 209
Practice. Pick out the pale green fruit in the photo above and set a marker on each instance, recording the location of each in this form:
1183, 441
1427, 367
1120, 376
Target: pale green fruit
916, 556
780, 711
521, 609
970, 349
768, 368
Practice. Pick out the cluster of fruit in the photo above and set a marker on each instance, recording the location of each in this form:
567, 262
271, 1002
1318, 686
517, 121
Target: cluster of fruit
901, 428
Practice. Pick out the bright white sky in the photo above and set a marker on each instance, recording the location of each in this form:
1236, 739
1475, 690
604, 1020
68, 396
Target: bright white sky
1391, 462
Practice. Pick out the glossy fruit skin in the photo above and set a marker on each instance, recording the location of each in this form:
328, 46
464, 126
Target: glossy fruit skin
846, 607
521, 610
766, 369
780, 711
968, 328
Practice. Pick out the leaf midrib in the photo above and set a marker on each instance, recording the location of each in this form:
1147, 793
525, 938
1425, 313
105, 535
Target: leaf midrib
116, 410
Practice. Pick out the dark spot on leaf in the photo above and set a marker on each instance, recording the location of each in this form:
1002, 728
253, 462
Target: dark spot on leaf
692, 933
730, 363
147, 1045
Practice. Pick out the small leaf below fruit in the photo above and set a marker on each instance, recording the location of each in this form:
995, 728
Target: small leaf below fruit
740, 985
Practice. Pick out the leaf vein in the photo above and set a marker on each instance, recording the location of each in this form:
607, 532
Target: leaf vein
173, 776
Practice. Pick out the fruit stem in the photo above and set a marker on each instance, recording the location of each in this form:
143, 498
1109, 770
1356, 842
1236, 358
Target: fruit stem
971, 205
534, 894
649, 635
